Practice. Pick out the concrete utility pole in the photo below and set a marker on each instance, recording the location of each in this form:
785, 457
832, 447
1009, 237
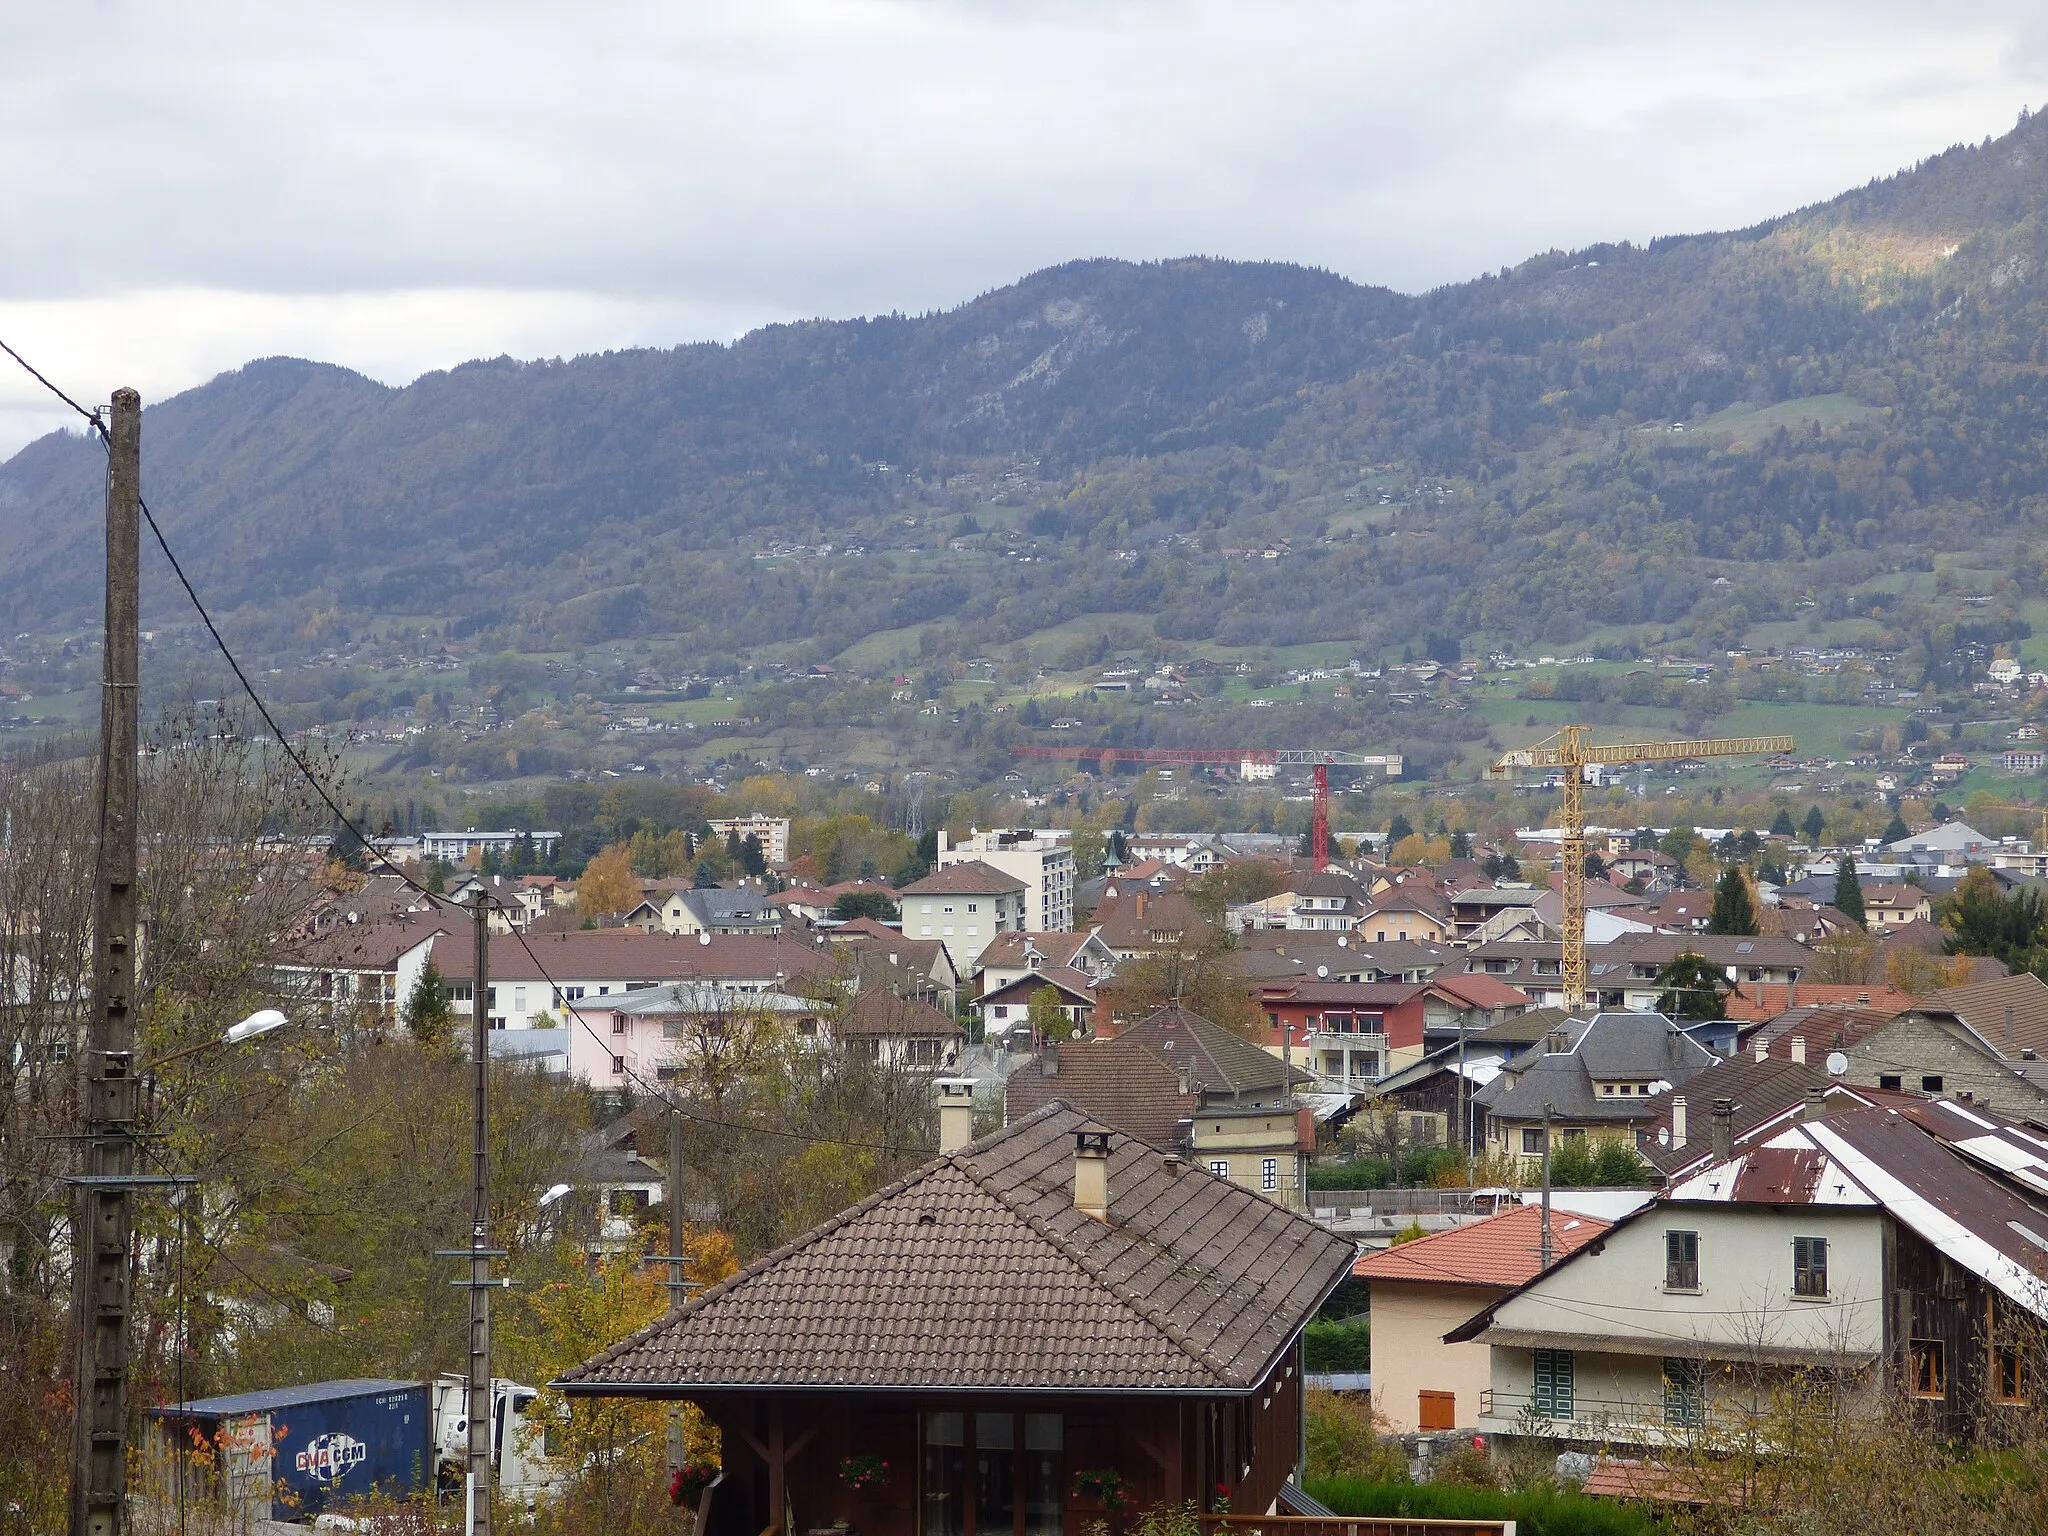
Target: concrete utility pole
1548, 1249
677, 1285
478, 1522
102, 1209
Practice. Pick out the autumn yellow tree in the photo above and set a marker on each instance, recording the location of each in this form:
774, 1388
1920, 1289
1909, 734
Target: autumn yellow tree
608, 884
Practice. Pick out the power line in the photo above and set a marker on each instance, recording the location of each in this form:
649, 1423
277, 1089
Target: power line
362, 837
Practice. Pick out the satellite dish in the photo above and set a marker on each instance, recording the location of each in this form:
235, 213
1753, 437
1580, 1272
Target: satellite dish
1323, 971
1664, 1136
1838, 1064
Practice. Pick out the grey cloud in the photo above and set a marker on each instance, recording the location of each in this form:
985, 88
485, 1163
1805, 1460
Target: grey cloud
796, 157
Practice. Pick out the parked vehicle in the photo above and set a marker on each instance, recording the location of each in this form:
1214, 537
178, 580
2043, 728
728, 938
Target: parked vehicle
296, 1453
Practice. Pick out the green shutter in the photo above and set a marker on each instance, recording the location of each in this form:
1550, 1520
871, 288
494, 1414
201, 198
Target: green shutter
1553, 1395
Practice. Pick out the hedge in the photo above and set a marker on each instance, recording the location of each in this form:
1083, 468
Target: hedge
1539, 1513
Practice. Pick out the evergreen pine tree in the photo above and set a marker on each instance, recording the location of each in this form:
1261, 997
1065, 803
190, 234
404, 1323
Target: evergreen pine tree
1733, 911
1813, 825
1461, 845
1896, 830
1782, 826
1849, 890
1397, 830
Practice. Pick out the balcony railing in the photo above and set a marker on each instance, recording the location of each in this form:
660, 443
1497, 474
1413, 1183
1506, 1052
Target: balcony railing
1652, 1417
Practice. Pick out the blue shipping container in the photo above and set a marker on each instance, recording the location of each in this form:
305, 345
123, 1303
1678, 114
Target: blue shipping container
329, 1442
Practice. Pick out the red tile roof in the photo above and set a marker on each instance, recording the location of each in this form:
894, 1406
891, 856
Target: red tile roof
1501, 1251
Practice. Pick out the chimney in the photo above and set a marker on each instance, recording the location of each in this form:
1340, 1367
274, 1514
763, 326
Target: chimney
1792, 992
1724, 1130
1799, 1050
1557, 1042
1678, 1120
1049, 1059
1816, 1104
1091, 1174
1763, 1049
1138, 909
956, 1113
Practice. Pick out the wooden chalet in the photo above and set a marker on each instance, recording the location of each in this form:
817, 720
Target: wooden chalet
1020, 1324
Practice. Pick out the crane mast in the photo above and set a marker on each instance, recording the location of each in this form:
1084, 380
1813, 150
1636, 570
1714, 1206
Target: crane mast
1569, 751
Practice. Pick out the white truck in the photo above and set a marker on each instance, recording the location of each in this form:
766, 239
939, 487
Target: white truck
519, 1462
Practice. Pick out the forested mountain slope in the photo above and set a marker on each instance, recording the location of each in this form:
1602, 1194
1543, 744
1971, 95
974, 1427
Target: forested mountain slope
1590, 439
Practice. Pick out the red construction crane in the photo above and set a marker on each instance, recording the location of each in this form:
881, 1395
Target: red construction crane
1322, 759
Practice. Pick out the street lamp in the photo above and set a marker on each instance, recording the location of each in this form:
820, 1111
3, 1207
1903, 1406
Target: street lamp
261, 1022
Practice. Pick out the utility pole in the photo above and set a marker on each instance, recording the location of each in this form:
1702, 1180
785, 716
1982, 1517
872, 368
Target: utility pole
1548, 1249
102, 1208
677, 1452
478, 1522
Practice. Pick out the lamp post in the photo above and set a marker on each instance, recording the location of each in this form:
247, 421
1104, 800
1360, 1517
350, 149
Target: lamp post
261, 1022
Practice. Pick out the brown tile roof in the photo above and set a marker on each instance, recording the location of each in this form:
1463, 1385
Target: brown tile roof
627, 954
878, 1013
970, 878
1220, 1061
1503, 1250
1984, 1005
1763, 1092
1121, 1085
1766, 1000
1007, 949
976, 1273
1078, 985
1124, 926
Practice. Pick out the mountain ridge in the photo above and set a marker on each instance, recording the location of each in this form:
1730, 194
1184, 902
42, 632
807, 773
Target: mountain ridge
1149, 417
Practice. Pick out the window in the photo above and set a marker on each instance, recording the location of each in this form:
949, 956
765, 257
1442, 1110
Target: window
491, 998
1017, 1486
2008, 1376
618, 1066
1552, 1394
618, 1023
1532, 1141
1681, 1261
1220, 1168
1930, 1378
973, 907
460, 992
1888, 1080
1810, 1266
1930, 1084
1685, 1393
1269, 1174
519, 999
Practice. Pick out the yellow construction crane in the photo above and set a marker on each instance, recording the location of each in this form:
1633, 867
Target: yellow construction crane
1569, 751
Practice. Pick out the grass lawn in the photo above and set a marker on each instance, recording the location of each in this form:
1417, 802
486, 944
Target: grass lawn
1743, 424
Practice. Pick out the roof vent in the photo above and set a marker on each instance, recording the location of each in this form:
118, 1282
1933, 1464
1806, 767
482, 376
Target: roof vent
1091, 1174
1799, 1050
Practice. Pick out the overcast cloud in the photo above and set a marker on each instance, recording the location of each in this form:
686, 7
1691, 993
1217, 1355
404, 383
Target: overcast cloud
399, 187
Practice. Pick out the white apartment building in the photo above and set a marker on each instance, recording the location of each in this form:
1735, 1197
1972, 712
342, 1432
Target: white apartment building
773, 831
1043, 859
964, 906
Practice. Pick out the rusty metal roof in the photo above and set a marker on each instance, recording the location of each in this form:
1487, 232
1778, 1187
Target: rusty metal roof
1888, 1158
977, 1273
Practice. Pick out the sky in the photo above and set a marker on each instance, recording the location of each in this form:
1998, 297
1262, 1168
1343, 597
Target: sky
401, 187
